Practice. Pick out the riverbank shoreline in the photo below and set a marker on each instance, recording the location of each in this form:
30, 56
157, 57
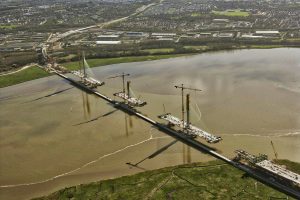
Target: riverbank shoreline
209, 177
33, 73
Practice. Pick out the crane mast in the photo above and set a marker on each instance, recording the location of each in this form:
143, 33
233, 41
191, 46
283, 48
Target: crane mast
182, 97
275, 152
123, 75
186, 126
126, 96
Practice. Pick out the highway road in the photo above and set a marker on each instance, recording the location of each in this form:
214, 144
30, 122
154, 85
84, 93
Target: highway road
61, 36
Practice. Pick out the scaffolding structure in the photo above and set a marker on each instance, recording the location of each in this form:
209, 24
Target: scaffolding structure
190, 129
279, 171
82, 74
251, 159
54, 67
88, 81
261, 162
130, 100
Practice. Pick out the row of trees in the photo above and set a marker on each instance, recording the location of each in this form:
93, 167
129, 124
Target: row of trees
12, 60
123, 50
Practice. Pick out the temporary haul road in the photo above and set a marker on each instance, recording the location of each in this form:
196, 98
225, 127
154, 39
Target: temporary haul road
262, 177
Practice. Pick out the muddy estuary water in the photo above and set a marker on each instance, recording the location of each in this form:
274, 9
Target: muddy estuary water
249, 97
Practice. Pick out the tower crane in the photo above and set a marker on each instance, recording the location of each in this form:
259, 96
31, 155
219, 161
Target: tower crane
187, 128
132, 101
188, 150
275, 152
182, 97
123, 75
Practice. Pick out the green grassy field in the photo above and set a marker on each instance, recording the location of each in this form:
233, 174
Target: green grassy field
196, 14
212, 180
293, 39
196, 47
69, 56
22, 76
232, 13
265, 46
8, 26
162, 50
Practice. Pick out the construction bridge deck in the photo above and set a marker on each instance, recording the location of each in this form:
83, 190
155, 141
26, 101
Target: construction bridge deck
192, 130
264, 178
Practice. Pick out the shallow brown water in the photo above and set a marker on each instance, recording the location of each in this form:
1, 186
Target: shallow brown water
249, 97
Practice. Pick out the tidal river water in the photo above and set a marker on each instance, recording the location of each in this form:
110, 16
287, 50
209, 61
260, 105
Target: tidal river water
249, 98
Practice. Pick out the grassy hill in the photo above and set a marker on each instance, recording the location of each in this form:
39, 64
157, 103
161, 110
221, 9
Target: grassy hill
211, 180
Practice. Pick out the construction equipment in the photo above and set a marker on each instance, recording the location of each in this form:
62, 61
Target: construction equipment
123, 75
131, 101
53, 67
264, 165
187, 127
275, 152
182, 96
82, 73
